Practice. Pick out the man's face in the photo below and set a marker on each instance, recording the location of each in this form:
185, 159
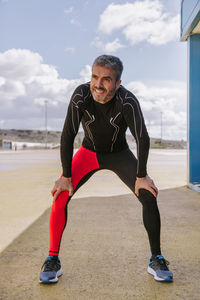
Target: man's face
103, 84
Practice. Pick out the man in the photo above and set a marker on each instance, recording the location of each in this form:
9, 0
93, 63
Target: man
105, 109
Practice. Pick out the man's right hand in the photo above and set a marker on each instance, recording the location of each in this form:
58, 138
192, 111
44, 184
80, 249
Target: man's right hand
62, 184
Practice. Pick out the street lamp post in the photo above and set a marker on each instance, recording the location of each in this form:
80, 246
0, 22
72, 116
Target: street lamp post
46, 132
1, 127
149, 125
161, 126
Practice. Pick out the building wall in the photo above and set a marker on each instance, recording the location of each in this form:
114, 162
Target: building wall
190, 18
5, 144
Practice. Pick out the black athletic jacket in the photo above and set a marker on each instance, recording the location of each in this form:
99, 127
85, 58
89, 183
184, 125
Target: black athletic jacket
104, 126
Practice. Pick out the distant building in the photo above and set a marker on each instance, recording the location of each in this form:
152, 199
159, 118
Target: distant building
5, 144
190, 32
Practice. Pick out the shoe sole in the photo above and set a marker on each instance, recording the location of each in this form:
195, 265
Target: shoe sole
152, 272
54, 280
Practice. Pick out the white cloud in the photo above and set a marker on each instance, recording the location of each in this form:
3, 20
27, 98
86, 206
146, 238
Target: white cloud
168, 99
140, 21
113, 46
70, 50
69, 10
2, 81
86, 73
20, 64
110, 47
75, 22
12, 89
25, 82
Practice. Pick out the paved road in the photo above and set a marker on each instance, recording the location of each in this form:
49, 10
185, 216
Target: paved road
104, 249
10, 160
105, 252
18, 159
28, 176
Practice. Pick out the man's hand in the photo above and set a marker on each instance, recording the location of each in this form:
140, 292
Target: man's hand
62, 184
147, 184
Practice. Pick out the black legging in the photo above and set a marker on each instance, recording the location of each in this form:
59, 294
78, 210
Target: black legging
124, 164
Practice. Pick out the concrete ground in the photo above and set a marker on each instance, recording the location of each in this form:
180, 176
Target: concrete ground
27, 177
104, 251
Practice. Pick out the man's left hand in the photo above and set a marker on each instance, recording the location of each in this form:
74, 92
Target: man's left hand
147, 184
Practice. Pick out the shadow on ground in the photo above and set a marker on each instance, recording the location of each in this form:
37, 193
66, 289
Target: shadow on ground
105, 252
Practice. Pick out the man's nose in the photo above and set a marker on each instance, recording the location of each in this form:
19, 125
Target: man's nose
99, 83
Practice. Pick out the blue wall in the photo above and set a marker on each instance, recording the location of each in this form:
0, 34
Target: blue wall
194, 108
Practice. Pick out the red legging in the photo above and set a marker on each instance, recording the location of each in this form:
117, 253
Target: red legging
84, 164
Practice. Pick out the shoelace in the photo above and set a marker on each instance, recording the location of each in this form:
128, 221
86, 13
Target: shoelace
163, 263
49, 264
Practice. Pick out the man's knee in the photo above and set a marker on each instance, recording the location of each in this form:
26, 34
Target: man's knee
62, 199
146, 197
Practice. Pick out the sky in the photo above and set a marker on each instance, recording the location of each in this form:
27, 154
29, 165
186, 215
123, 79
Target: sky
47, 49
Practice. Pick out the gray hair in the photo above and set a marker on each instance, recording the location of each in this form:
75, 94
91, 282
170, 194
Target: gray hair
111, 62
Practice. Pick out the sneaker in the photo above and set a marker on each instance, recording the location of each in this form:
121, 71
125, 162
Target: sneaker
51, 270
158, 268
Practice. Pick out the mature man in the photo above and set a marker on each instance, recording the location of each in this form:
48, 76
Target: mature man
105, 109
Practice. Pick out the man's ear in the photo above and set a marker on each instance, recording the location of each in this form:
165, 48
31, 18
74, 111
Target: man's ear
118, 83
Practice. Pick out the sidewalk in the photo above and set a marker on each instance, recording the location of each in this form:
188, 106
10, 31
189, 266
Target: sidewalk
25, 189
105, 252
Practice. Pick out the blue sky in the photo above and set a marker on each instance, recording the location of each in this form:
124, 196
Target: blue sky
47, 49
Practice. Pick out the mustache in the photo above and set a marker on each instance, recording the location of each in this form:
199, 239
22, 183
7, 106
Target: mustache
99, 88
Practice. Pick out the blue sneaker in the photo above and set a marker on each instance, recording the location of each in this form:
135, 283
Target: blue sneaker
158, 268
51, 270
